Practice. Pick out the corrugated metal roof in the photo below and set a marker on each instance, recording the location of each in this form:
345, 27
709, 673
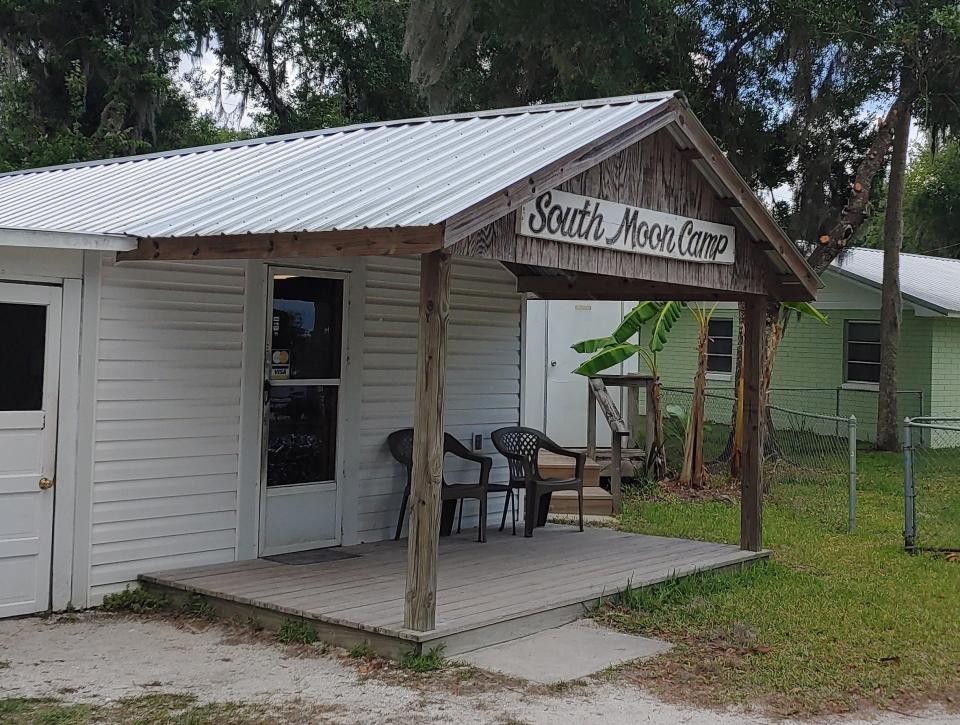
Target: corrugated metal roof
932, 282
415, 172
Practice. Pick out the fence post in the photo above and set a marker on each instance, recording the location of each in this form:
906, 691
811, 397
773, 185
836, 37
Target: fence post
837, 407
852, 469
909, 525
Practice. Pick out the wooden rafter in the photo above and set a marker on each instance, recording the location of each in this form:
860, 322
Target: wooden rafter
345, 243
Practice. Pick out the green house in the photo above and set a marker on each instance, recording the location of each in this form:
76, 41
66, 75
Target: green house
833, 369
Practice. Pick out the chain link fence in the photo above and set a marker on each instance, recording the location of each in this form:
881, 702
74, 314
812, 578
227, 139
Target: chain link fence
801, 448
842, 402
931, 484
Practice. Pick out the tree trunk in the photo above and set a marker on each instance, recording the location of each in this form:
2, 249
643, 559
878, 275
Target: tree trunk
692, 473
656, 456
840, 231
891, 302
733, 451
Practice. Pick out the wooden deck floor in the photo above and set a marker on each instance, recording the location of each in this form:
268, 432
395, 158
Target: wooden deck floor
486, 593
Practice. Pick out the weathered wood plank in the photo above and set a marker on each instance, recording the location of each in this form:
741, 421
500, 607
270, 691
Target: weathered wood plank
420, 604
337, 243
591, 286
617, 425
479, 587
751, 485
652, 174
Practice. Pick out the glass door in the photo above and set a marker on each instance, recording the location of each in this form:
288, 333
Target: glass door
304, 353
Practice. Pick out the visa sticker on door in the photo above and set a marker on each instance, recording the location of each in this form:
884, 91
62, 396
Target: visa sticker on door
280, 365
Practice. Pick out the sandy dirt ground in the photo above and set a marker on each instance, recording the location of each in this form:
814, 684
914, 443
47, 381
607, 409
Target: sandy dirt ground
98, 658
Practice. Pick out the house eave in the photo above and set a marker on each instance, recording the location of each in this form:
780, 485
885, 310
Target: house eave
58, 239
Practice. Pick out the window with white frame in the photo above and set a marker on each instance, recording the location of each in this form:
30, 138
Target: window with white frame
862, 352
720, 346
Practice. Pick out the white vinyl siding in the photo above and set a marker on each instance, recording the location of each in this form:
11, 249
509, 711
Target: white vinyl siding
483, 376
168, 403
166, 439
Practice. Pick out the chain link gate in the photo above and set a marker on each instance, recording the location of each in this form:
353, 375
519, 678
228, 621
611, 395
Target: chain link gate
931, 484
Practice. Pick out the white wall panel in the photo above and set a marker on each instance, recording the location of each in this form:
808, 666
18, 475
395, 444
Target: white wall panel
167, 419
483, 376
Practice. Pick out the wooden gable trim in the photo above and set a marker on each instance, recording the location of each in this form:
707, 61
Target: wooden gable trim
482, 220
650, 173
740, 195
345, 243
494, 207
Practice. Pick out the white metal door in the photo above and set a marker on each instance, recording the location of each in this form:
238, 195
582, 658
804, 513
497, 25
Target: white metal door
306, 334
29, 381
566, 393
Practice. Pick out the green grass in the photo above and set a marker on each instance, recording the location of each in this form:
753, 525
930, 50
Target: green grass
297, 631
429, 661
158, 709
152, 709
834, 622
200, 607
136, 600
361, 651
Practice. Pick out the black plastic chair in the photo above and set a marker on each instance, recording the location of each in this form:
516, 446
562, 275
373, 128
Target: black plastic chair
400, 443
521, 447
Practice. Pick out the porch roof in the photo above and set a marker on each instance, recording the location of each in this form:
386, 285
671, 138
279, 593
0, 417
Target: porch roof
406, 173
404, 186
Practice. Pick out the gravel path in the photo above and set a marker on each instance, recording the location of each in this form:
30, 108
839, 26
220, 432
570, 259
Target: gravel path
99, 658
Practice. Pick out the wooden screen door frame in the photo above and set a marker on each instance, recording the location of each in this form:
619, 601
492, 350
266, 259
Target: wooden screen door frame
344, 278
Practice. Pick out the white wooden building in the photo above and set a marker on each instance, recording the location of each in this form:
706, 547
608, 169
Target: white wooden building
157, 423
204, 350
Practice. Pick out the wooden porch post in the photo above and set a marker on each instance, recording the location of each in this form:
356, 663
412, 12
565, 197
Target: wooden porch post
751, 473
420, 604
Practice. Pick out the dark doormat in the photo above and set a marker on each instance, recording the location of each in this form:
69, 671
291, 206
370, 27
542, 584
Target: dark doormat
310, 556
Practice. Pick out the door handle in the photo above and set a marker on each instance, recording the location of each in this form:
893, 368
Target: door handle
553, 363
45, 483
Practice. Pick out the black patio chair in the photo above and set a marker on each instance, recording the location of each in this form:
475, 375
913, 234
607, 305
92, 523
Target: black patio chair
521, 447
400, 443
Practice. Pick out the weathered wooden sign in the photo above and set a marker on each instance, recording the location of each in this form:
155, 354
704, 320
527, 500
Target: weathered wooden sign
565, 217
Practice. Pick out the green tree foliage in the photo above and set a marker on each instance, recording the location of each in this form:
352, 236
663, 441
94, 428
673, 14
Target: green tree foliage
932, 202
308, 64
81, 80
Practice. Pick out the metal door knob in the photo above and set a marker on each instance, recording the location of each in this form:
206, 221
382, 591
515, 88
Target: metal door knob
553, 363
46, 483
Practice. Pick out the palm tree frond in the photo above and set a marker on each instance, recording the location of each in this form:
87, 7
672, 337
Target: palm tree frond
635, 319
669, 313
805, 309
597, 343
607, 358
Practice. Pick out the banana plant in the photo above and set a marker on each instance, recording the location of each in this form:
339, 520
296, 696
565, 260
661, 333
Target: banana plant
693, 471
606, 352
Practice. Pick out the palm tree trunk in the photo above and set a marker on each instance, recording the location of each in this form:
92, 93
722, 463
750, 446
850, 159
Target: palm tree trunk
692, 472
891, 302
657, 460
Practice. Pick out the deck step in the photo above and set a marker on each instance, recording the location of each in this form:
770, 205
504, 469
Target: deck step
556, 466
596, 502
631, 461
